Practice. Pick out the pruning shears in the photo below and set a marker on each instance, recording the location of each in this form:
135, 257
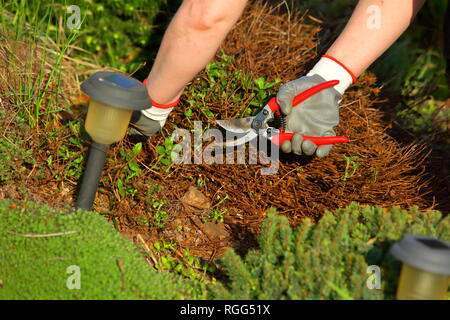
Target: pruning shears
251, 127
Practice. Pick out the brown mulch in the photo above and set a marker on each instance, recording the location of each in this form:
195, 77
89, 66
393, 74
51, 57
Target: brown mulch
273, 43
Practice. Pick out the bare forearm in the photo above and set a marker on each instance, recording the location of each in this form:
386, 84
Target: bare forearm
374, 26
190, 42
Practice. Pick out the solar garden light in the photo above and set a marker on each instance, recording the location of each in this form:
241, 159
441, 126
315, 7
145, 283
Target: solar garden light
425, 272
114, 97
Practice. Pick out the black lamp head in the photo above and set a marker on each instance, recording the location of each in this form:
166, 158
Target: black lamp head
117, 90
425, 253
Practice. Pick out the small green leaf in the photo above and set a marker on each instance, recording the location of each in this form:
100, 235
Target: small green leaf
169, 143
260, 83
165, 161
75, 141
208, 112
160, 150
271, 84
134, 167
121, 188
50, 160
136, 149
178, 268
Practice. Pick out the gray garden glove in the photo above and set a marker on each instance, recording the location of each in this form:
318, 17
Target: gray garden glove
141, 125
319, 114
149, 121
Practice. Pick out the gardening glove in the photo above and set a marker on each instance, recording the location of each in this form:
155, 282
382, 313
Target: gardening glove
149, 121
142, 125
318, 115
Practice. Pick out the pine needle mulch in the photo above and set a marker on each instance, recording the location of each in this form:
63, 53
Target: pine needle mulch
269, 42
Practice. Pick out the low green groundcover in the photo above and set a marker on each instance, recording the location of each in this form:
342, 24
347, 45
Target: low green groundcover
47, 254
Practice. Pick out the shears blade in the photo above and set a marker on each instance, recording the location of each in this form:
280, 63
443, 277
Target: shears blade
237, 140
242, 128
242, 125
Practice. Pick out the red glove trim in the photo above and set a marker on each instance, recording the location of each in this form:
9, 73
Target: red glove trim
165, 106
342, 65
162, 106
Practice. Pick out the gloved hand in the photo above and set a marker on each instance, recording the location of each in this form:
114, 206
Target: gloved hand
143, 126
318, 115
149, 121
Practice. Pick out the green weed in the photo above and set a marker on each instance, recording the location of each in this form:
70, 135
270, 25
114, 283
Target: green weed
215, 215
262, 91
350, 164
227, 86
375, 174
130, 170
142, 221
70, 154
201, 181
72, 160
160, 216
153, 187
187, 265
165, 152
14, 159
157, 216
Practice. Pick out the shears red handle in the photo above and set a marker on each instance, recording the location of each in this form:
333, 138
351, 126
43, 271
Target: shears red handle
318, 141
278, 139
